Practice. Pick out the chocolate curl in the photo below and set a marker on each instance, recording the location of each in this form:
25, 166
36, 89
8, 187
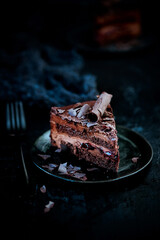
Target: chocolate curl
83, 111
100, 107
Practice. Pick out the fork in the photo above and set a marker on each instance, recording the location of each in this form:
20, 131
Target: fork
16, 126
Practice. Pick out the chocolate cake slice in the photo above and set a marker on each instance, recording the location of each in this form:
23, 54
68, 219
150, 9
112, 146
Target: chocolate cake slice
88, 130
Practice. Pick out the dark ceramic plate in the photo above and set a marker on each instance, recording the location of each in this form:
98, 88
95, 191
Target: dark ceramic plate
82, 39
132, 146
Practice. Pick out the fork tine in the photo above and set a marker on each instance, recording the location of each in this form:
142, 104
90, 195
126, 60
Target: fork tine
17, 116
8, 119
22, 116
15, 121
13, 117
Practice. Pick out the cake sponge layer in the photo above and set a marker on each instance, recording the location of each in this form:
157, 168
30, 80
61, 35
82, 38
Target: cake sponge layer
84, 149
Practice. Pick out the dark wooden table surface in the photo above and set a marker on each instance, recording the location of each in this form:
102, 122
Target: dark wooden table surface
126, 209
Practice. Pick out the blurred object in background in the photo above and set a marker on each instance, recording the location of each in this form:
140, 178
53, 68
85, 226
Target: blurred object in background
115, 26
117, 23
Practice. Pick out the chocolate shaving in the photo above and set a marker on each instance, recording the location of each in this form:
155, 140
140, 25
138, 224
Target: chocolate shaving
58, 150
48, 206
91, 124
60, 111
81, 176
135, 159
72, 112
63, 168
44, 156
100, 107
83, 111
50, 167
72, 169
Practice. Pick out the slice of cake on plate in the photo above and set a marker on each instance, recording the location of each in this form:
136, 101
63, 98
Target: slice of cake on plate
88, 130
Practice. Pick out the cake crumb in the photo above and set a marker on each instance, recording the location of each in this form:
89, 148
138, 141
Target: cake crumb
135, 159
48, 206
43, 189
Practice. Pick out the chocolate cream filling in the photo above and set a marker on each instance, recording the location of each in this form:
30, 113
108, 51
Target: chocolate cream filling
81, 148
81, 143
107, 139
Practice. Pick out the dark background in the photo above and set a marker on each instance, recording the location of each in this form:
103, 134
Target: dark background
51, 20
128, 209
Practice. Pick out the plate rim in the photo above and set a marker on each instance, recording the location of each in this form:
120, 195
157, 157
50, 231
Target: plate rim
107, 180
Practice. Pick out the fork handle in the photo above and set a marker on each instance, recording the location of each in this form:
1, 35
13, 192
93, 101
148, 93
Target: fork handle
24, 165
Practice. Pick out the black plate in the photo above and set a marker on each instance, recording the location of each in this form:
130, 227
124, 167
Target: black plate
82, 39
131, 145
